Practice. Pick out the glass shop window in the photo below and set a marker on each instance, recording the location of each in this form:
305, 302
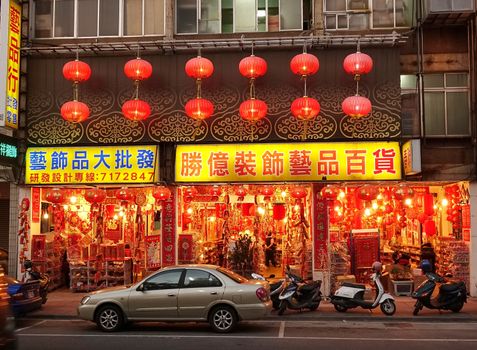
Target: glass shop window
109, 18
64, 23
88, 18
43, 18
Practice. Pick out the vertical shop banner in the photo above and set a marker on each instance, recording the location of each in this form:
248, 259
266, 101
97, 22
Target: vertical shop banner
466, 222
153, 252
35, 204
10, 30
169, 230
38, 248
320, 229
74, 248
185, 250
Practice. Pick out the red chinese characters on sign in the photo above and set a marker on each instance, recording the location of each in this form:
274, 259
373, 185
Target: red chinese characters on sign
169, 231
273, 163
320, 229
153, 252
300, 162
191, 164
245, 163
328, 163
355, 162
384, 161
35, 204
218, 164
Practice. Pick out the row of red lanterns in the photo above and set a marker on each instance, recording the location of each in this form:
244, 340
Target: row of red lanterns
199, 68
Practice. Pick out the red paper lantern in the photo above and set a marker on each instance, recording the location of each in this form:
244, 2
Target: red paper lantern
199, 67
305, 108
76, 71
304, 64
267, 190
253, 110
95, 195
199, 108
358, 63
428, 204
329, 192
356, 106
74, 111
253, 67
240, 191
55, 196
124, 194
429, 228
367, 192
138, 69
402, 192
279, 211
161, 193
298, 192
136, 110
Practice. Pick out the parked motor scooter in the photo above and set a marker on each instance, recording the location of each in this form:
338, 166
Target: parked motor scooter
351, 295
438, 293
299, 294
31, 274
275, 288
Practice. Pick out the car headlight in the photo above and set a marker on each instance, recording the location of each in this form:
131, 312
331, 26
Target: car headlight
85, 300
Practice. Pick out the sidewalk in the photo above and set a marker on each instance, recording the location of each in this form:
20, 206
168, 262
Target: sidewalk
62, 304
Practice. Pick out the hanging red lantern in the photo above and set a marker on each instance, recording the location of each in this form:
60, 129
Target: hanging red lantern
279, 211
267, 191
199, 108
305, 108
253, 67
124, 194
298, 192
402, 192
95, 195
304, 64
429, 228
329, 192
74, 111
240, 191
356, 106
199, 67
76, 71
428, 204
367, 192
138, 69
55, 196
253, 110
358, 63
161, 193
136, 110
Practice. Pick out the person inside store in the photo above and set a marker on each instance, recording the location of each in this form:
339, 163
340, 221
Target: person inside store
427, 253
65, 269
270, 250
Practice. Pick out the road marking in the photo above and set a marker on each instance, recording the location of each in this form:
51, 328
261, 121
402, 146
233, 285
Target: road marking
281, 331
175, 336
33, 325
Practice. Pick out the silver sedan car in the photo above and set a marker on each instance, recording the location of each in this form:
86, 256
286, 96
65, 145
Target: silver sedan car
180, 293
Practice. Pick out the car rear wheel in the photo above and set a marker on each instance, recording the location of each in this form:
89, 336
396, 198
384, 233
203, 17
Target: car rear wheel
110, 318
223, 319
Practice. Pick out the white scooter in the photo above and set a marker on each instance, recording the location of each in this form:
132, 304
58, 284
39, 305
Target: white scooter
351, 295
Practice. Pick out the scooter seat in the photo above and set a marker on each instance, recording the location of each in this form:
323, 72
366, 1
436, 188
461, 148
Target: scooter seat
354, 285
451, 287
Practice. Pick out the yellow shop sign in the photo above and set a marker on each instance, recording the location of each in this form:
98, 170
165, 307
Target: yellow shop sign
88, 165
288, 162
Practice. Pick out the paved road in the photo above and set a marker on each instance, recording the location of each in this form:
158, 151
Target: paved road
276, 335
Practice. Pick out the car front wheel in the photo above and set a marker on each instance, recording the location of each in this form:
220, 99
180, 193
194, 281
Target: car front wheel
223, 319
110, 318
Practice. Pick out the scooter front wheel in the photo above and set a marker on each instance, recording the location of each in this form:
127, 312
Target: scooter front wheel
282, 308
388, 307
340, 308
417, 308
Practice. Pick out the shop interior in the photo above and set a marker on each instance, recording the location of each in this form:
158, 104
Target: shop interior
91, 238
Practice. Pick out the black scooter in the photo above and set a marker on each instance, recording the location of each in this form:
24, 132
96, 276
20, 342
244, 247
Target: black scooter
299, 294
452, 295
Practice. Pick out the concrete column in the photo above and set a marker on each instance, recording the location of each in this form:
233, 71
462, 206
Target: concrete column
473, 239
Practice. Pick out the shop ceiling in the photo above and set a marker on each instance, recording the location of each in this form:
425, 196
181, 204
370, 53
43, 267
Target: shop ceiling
171, 46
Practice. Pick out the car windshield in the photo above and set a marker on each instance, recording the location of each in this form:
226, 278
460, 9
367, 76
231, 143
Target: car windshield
232, 275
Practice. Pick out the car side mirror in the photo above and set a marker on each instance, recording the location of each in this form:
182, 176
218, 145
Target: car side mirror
141, 288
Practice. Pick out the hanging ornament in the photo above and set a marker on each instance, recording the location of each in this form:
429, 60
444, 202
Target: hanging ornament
240, 191
252, 67
298, 192
199, 108
124, 194
74, 111
161, 193
199, 67
356, 106
95, 195
329, 192
367, 192
55, 196
267, 190
429, 228
136, 110
76, 71
253, 110
402, 192
215, 191
304, 64
138, 69
305, 108
357, 64
428, 204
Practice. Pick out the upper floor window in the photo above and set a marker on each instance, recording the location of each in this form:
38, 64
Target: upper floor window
236, 16
98, 18
367, 14
446, 103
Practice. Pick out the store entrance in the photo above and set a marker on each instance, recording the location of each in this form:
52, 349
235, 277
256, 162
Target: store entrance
247, 228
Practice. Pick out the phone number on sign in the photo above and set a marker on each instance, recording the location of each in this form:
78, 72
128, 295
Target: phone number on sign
120, 176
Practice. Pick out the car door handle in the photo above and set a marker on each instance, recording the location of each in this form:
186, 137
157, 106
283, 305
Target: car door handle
213, 293
171, 295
